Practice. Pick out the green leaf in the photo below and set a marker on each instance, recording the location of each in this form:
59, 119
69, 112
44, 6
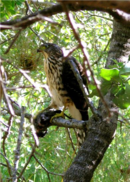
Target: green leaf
122, 99
115, 89
5, 2
105, 86
121, 91
94, 93
2, 15
91, 86
2, 8
109, 74
125, 70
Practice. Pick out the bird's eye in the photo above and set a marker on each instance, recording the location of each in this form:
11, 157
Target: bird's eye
46, 45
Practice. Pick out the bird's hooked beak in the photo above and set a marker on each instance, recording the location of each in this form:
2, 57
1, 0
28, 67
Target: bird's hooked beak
42, 48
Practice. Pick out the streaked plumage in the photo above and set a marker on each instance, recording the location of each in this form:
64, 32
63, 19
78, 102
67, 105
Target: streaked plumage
62, 83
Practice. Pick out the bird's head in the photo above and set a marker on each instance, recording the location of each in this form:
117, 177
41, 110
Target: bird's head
49, 49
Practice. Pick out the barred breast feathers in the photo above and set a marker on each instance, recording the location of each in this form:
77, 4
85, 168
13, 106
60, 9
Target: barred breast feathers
63, 84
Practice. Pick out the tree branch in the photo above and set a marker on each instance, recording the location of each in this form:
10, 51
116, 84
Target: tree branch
17, 151
13, 41
42, 119
1, 80
8, 164
73, 123
97, 5
104, 6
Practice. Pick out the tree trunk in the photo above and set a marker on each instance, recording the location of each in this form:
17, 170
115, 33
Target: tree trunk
102, 129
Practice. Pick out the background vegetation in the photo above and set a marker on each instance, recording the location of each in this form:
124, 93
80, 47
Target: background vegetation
55, 152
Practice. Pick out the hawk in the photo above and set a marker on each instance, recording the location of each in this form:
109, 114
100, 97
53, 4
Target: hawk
63, 84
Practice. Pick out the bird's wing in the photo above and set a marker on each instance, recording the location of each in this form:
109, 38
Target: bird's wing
71, 85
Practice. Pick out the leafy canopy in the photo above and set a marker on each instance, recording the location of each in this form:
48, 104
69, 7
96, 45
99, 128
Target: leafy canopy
118, 80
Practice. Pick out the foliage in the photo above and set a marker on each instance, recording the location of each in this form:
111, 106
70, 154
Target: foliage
55, 152
9, 6
116, 79
115, 165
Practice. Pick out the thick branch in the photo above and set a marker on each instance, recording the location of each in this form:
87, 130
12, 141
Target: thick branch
43, 120
104, 6
73, 123
98, 5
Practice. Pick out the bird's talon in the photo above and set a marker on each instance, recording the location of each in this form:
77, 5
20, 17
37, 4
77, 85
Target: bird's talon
57, 115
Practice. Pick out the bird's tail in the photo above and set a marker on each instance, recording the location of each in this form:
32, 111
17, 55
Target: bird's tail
79, 115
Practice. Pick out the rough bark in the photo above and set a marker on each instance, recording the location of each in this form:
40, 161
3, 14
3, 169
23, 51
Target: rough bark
117, 9
101, 132
99, 5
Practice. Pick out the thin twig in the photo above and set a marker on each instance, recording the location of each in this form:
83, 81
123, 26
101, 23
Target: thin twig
4, 123
13, 41
18, 88
30, 11
102, 53
17, 151
48, 172
11, 111
127, 120
7, 39
103, 17
3, 164
71, 141
34, 84
37, 35
71, 51
1, 80
8, 164
17, 109
24, 168
34, 133
28, 7
42, 167
8, 129
3, 145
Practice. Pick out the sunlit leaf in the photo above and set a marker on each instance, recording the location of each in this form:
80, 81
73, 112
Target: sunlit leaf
109, 74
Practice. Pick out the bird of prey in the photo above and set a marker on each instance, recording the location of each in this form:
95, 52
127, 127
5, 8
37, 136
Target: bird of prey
63, 84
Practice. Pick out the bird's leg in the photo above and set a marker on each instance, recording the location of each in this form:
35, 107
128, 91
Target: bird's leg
58, 115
